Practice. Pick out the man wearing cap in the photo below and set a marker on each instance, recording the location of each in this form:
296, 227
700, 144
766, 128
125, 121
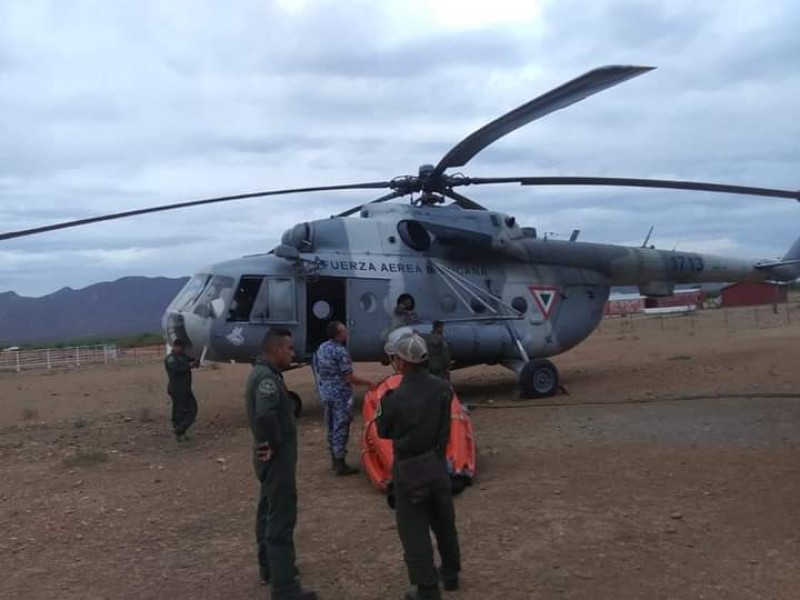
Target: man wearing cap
416, 417
335, 378
184, 405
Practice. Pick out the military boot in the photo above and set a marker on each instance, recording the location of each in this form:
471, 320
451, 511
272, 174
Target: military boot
294, 592
342, 468
449, 581
424, 592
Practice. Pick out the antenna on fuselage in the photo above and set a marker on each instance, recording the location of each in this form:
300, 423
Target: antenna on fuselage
647, 237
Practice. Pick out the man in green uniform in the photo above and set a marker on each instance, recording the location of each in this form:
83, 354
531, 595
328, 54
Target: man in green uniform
438, 352
416, 417
184, 405
270, 412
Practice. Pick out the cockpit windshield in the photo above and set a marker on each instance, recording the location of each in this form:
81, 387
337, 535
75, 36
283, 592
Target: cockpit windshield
190, 292
219, 288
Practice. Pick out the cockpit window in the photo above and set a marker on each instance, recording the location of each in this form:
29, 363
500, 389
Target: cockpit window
221, 287
190, 292
244, 298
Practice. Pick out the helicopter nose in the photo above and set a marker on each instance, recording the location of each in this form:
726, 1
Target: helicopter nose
187, 327
174, 327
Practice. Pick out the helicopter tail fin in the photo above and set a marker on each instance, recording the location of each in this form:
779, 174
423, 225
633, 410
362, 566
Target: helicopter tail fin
787, 268
794, 251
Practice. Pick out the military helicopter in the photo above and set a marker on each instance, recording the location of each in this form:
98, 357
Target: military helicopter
507, 295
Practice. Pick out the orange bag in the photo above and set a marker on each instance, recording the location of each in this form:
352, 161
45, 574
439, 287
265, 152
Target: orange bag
377, 454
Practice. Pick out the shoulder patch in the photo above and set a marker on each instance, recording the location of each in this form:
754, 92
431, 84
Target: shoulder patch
267, 386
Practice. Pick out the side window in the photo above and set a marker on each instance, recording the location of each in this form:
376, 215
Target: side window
273, 301
245, 297
260, 312
282, 305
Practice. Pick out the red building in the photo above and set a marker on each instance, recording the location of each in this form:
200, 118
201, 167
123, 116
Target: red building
752, 293
693, 298
622, 305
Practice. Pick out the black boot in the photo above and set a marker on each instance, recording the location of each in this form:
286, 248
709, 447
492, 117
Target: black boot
342, 468
294, 592
449, 581
424, 592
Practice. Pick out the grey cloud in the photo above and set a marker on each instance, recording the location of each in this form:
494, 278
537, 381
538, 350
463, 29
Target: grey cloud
178, 101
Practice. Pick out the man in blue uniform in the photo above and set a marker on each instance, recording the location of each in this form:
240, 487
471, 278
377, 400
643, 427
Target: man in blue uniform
416, 417
270, 412
335, 378
184, 405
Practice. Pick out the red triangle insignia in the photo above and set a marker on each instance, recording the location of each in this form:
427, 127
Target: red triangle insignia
545, 298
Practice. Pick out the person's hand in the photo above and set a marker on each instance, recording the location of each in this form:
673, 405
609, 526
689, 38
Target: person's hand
371, 385
194, 363
265, 452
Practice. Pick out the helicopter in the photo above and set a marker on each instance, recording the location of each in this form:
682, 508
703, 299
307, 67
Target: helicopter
507, 295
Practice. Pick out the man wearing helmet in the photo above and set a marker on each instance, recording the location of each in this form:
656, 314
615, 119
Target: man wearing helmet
416, 417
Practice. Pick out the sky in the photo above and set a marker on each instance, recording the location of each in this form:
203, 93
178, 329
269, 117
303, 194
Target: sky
110, 106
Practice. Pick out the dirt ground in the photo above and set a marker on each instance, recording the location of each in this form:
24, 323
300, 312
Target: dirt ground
657, 476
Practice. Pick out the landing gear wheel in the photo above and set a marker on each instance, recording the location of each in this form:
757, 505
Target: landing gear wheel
298, 404
538, 379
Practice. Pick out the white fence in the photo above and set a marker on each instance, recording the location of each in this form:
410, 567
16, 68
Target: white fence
76, 356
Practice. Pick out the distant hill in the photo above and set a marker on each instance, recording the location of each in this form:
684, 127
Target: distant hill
128, 306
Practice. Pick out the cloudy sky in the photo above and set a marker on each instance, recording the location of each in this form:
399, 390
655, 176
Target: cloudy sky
108, 106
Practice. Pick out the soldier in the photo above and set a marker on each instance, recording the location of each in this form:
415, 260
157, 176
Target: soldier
335, 378
403, 313
270, 412
416, 417
438, 352
184, 405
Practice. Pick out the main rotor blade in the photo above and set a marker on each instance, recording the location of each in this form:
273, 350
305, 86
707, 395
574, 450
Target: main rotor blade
463, 201
389, 196
142, 211
573, 91
643, 183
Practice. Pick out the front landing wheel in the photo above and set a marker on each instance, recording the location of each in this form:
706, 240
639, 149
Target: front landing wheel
538, 379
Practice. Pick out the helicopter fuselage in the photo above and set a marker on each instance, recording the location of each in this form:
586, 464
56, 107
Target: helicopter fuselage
506, 295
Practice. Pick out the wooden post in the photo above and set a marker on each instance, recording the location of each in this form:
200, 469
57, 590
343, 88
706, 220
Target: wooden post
49, 364
18, 366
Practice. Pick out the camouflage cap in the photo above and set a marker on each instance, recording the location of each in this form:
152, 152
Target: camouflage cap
410, 347
390, 347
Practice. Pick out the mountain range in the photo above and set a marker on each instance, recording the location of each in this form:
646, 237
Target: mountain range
128, 306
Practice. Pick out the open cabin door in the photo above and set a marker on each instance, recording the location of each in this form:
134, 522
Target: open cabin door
325, 302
